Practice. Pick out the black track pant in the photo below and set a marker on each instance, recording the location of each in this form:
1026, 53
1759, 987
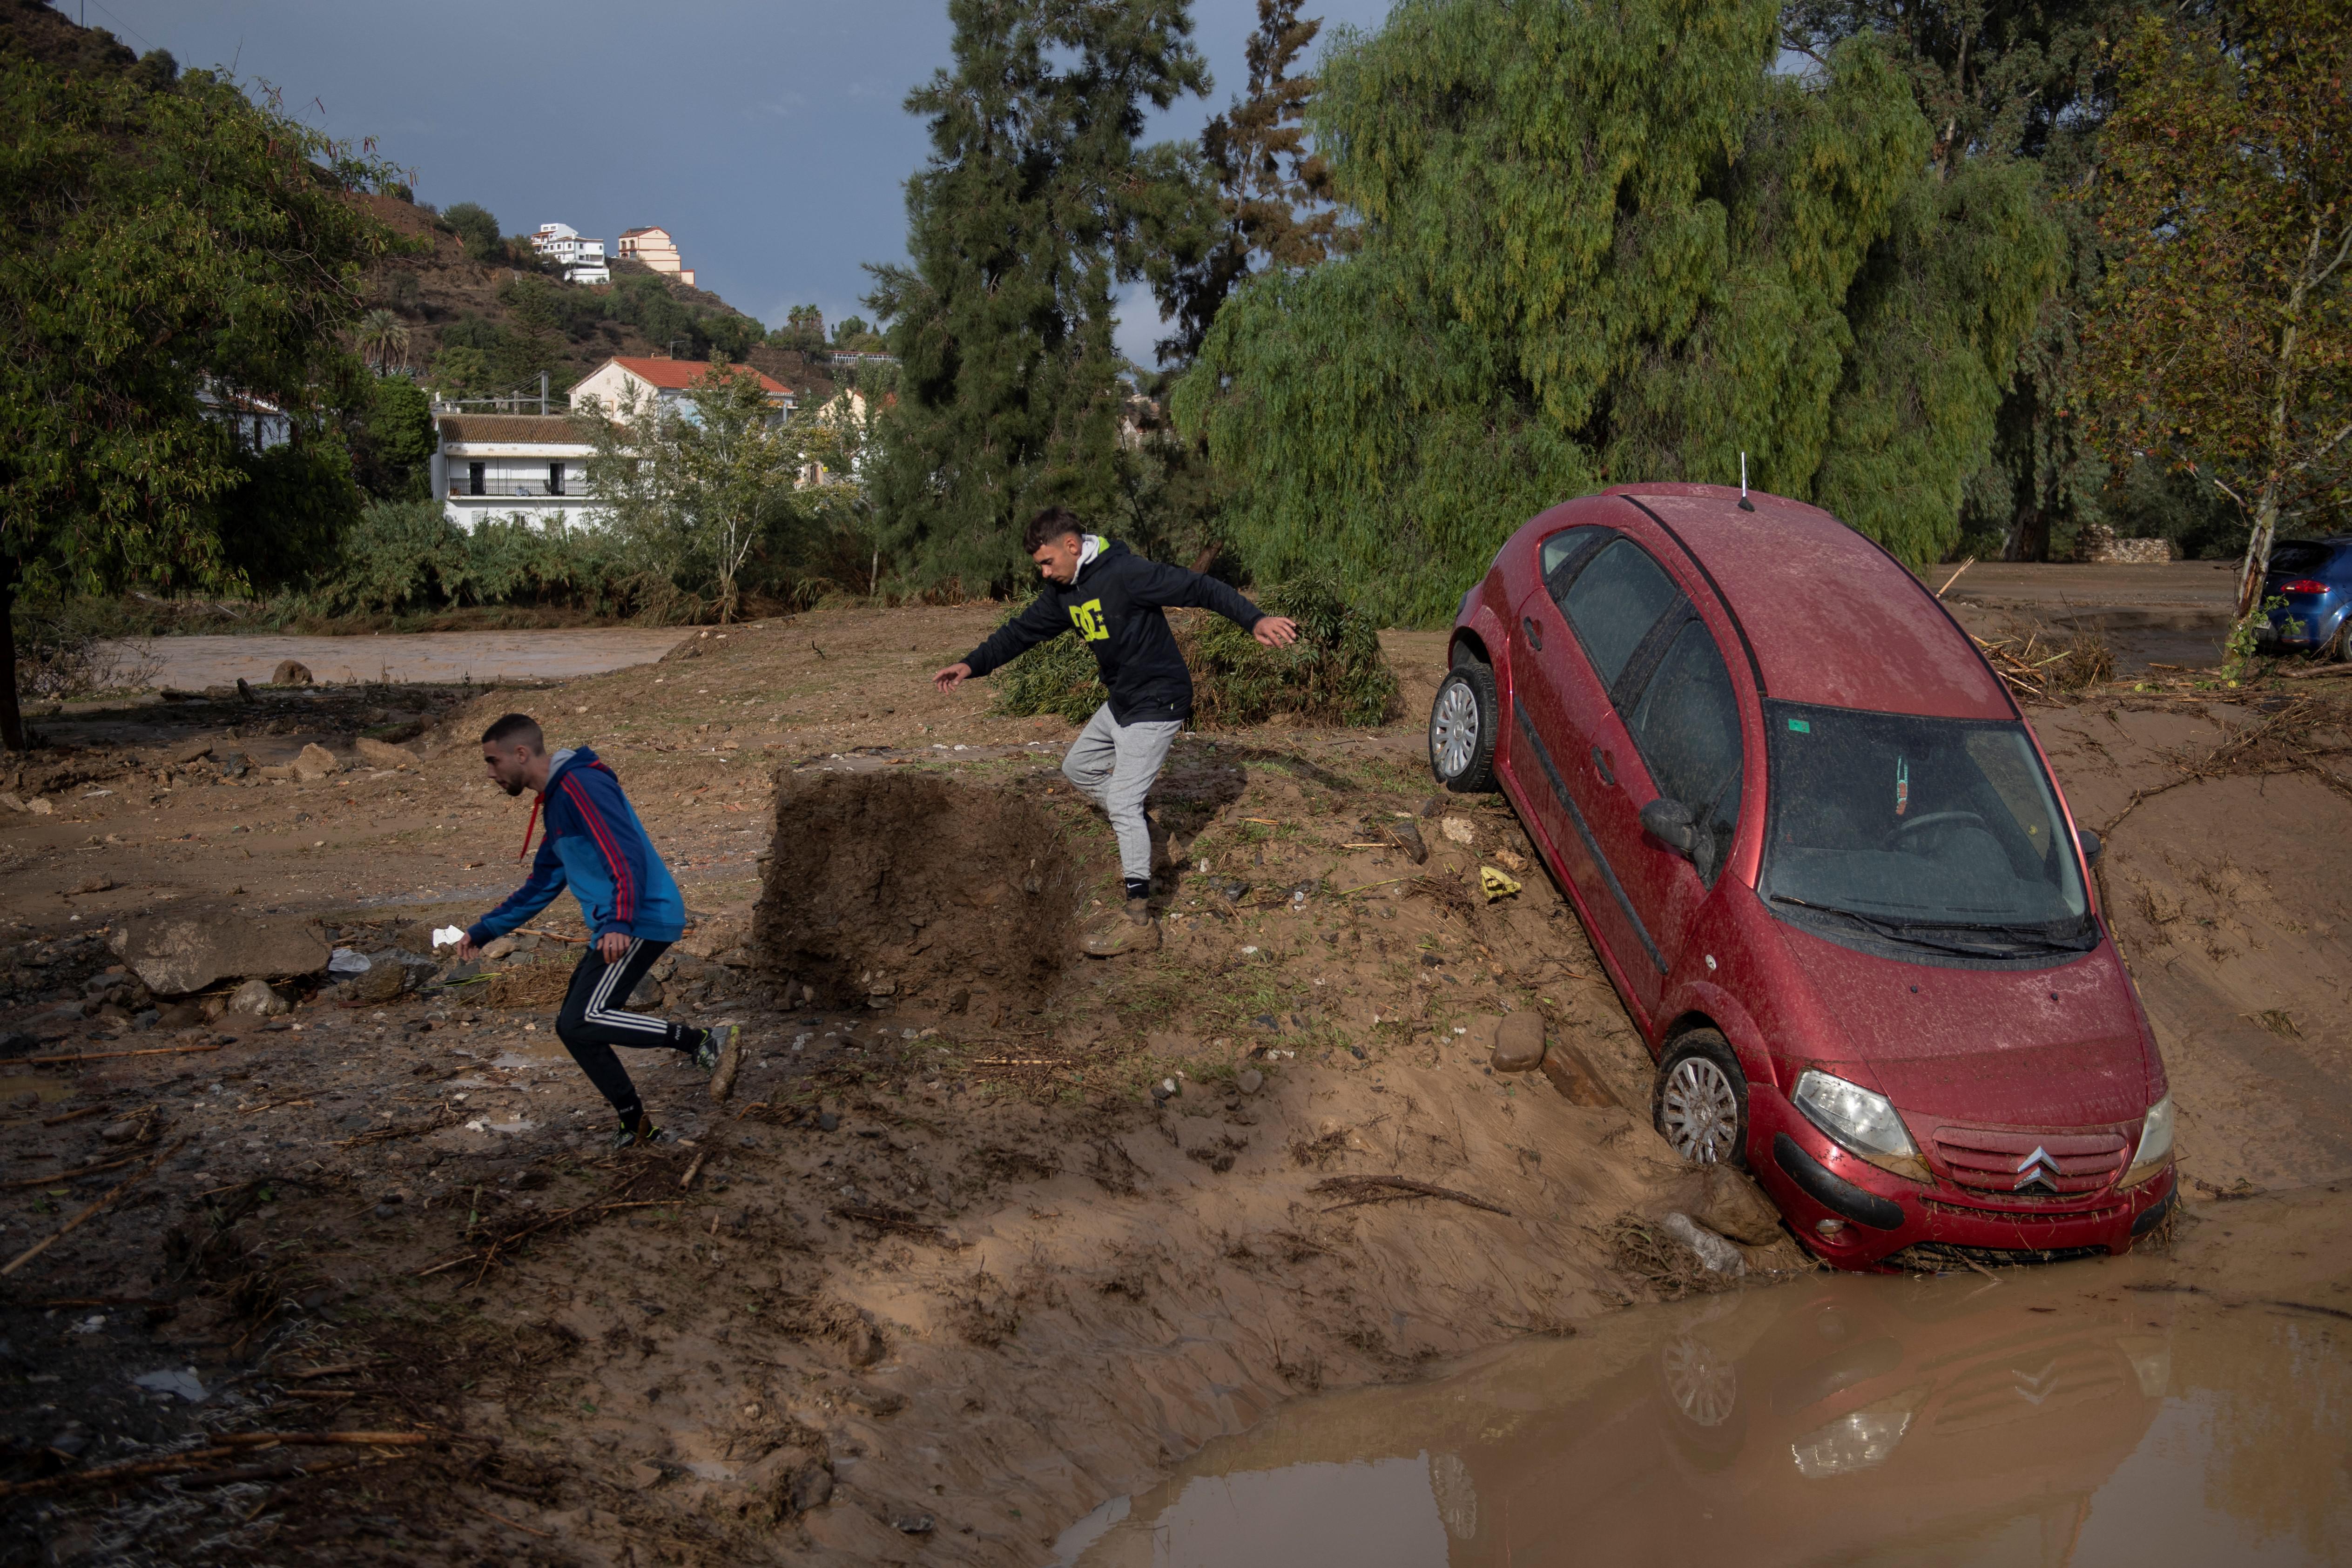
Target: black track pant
592, 1022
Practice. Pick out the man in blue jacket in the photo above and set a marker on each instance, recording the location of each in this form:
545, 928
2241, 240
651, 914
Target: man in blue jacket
595, 844
1114, 599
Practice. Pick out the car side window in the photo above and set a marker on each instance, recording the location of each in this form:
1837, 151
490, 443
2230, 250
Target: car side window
1686, 726
1565, 553
1613, 602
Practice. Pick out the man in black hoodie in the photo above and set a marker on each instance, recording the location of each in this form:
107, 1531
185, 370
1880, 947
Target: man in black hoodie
1113, 599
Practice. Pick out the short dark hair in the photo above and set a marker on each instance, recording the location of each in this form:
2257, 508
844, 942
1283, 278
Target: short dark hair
1048, 526
515, 726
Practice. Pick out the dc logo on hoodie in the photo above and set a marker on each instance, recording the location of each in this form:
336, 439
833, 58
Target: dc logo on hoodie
1087, 618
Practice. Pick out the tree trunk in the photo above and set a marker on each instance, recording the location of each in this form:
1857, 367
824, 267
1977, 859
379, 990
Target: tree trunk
2266, 503
12, 717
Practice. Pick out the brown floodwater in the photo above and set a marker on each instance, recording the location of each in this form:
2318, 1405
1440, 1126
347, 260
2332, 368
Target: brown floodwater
2086, 1414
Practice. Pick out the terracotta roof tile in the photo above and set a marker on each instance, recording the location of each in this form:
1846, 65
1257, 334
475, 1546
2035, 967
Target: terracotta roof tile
677, 375
551, 428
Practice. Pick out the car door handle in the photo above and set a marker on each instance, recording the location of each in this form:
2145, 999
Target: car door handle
1535, 633
1601, 764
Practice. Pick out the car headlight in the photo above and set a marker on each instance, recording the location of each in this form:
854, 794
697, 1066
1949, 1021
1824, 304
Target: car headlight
1859, 1120
2155, 1144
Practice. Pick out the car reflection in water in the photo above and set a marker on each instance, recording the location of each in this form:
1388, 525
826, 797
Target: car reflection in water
1841, 1420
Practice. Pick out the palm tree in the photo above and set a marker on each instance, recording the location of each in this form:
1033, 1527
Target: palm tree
384, 339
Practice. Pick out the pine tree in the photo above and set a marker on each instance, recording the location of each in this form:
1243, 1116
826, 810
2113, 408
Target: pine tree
1602, 244
1274, 191
1034, 204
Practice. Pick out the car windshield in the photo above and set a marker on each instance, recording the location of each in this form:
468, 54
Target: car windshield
1941, 833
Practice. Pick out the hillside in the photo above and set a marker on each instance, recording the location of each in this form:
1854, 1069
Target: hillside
519, 320
523, 321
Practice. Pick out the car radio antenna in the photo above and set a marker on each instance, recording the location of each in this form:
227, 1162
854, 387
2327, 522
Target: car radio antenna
1745, 504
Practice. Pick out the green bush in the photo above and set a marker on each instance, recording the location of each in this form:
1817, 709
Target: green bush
1335, 674
407, 556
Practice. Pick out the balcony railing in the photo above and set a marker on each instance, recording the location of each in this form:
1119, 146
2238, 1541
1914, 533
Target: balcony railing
513, 490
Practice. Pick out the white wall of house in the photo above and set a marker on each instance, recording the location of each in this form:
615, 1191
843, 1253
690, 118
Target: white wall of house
546, 483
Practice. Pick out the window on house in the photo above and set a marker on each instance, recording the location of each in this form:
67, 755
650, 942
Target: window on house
555, 479
478, 478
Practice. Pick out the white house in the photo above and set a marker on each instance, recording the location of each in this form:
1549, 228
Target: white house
499, 465
617, 382
657, 250
583, 260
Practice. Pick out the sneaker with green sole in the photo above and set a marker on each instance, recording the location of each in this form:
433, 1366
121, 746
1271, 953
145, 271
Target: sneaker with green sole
643, 1132
713, 1047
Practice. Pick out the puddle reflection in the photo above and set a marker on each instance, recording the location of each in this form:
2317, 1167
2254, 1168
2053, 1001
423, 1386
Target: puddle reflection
2050, 1419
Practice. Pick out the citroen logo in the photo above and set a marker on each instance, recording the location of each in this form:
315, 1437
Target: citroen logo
2037, 1169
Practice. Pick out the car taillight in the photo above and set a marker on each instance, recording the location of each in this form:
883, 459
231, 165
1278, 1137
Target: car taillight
2304, 585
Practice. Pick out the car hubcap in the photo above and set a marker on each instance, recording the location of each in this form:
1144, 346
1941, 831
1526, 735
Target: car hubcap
1453, 729
1701, 1113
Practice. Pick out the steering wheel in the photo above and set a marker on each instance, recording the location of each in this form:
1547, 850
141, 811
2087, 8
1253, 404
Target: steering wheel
1930, 819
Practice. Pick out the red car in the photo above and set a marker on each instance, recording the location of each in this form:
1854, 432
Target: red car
1820, 851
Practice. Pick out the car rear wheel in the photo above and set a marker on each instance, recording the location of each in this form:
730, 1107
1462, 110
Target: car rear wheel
1700, 1105
1461, 727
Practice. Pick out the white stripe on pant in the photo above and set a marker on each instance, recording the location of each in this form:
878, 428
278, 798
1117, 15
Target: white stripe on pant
609, 1017
1114, 765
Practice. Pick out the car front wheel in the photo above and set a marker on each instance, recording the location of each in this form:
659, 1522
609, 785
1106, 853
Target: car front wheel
1700, 1105
1462, 724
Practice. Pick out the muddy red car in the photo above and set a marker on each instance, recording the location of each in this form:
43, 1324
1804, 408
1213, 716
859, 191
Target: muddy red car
1821, 854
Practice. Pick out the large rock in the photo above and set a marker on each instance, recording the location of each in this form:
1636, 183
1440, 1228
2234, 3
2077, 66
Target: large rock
188, 950
384, 754
1736, 1207
315, 762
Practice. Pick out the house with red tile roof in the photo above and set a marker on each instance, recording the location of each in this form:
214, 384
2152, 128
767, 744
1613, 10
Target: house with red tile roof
619, 382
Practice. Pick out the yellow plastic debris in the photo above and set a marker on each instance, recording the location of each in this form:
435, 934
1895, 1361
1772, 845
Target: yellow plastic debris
1496, 885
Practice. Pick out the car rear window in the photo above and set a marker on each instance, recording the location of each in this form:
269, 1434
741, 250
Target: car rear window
1614, 603
2297, 556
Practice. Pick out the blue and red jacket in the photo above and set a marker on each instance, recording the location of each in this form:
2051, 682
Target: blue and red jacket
595, 843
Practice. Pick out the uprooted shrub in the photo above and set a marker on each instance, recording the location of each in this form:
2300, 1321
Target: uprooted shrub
1335, 673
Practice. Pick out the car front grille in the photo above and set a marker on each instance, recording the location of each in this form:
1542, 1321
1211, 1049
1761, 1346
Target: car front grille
2031, 1167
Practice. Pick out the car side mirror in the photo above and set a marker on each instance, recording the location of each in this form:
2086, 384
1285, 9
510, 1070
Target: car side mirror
1669, 822
2092, 848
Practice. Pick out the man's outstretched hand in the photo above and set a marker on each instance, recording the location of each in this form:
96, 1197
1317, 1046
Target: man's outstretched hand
1275, 631
467, 951
611, 946
951, 677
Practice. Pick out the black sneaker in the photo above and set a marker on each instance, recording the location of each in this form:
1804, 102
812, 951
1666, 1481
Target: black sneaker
643, 1132
714, 1045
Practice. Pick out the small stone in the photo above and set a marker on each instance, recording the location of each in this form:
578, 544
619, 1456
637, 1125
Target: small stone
1457, 830
386, 1210
1249, 1081
40, 806
1165, 1089
315, 762
913, 1523
255, 999
828, 1122
499, 948
1518, 1043
122, 1132
100, 882
1357, 1052
812, 1488
290, 673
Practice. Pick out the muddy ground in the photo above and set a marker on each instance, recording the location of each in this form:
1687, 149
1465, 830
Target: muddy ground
986, 1234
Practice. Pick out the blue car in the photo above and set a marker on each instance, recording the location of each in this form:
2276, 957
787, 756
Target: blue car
2315, 578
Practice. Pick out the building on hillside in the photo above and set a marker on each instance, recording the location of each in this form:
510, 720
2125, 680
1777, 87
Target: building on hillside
655, 249
256, 423
583, 260
619, 382
860, 357
493, 466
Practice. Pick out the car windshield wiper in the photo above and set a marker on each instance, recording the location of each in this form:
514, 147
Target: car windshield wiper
2080, 941
1898, 930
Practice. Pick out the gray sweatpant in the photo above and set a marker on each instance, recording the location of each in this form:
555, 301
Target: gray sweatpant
1114, 765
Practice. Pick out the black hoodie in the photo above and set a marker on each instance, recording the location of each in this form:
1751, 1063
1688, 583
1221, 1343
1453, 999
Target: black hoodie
1115, 605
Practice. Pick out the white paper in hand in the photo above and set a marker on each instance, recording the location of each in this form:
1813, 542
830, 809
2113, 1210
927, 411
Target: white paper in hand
447, 935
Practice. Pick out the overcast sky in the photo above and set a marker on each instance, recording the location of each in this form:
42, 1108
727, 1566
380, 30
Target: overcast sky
767, 136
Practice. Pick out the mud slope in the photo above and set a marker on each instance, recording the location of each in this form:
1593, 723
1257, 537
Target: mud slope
946, 1272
